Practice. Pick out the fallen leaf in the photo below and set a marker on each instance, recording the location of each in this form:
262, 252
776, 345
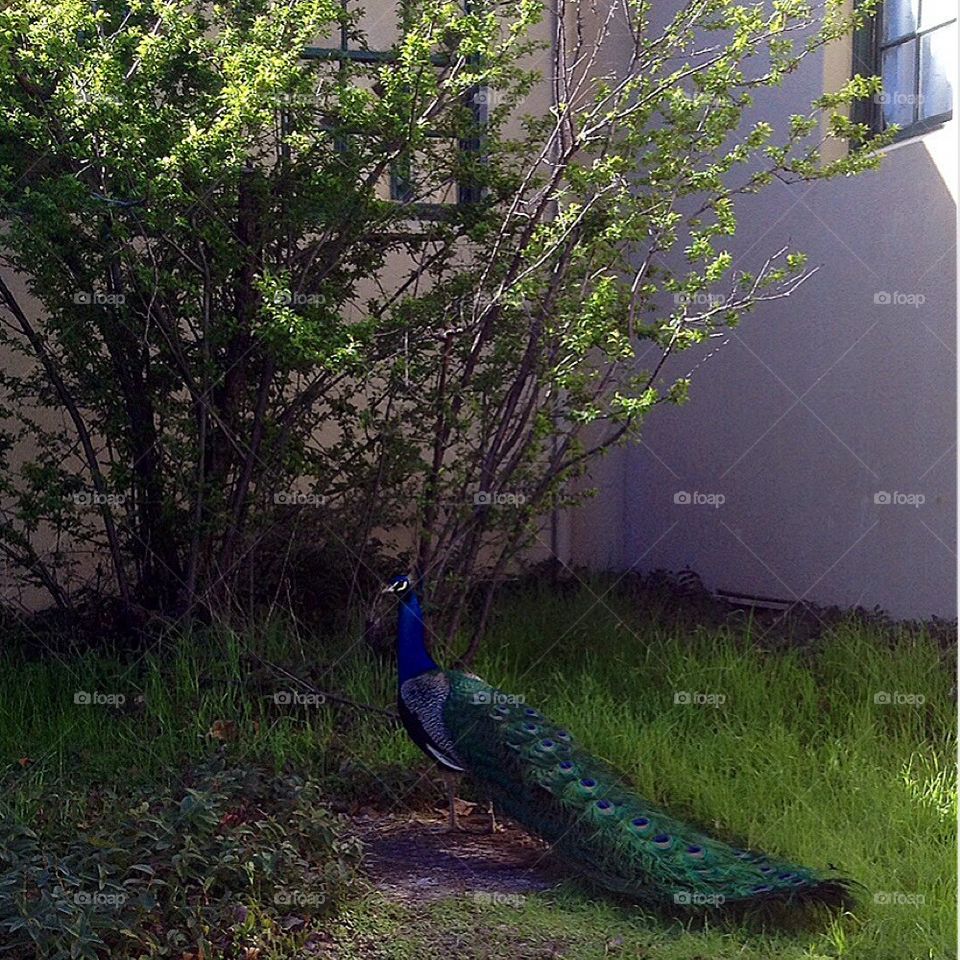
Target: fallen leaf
223, 730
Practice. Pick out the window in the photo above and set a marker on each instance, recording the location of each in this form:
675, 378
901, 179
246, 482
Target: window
382, 27
912, 46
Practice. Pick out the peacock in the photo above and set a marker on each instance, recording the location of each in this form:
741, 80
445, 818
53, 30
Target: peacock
535, 772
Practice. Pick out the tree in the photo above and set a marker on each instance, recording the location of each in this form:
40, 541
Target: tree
231, 317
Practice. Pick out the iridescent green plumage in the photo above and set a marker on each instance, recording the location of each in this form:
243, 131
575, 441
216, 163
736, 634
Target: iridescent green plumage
537, 774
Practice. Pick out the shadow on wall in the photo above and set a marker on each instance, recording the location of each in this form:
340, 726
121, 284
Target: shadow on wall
816, 458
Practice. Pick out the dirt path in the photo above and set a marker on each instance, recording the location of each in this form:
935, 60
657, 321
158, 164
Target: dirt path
408, 859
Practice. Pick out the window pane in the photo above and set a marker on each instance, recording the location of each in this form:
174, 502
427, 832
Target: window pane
899, 18
899, 84
938, 70
933, 12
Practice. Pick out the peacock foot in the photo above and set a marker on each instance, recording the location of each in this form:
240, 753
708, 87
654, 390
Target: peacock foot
492, 826
448, 828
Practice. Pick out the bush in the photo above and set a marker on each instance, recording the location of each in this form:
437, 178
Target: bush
231, 330
212, 866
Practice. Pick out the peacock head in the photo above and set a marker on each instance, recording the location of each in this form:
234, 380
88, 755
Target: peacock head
399, 586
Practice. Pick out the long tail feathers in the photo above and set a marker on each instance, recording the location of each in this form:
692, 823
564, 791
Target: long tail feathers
538, 775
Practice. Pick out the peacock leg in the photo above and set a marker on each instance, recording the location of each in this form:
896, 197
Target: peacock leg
492, 826
453, 824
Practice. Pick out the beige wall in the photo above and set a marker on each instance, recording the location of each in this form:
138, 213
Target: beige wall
379, 24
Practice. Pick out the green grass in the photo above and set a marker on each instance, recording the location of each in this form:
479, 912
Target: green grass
798, 759
564, 924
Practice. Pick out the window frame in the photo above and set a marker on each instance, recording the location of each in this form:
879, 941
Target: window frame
400, 184
868, 49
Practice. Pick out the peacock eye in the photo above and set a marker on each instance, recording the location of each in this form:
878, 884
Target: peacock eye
547, 744
588, 782
530, 727
604, 805
662, 840
566, 765
763, 888
695, 852
641, 823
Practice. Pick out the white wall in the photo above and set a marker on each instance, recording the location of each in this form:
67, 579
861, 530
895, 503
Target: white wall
814, 405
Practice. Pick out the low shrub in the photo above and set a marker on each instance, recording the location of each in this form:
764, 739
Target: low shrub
207, 867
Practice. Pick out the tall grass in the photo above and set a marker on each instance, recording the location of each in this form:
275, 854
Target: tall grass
793, 751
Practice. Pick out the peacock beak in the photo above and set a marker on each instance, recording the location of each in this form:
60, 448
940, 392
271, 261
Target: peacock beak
389, 588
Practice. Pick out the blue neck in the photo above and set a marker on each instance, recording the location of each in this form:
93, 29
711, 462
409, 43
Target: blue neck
412, 656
